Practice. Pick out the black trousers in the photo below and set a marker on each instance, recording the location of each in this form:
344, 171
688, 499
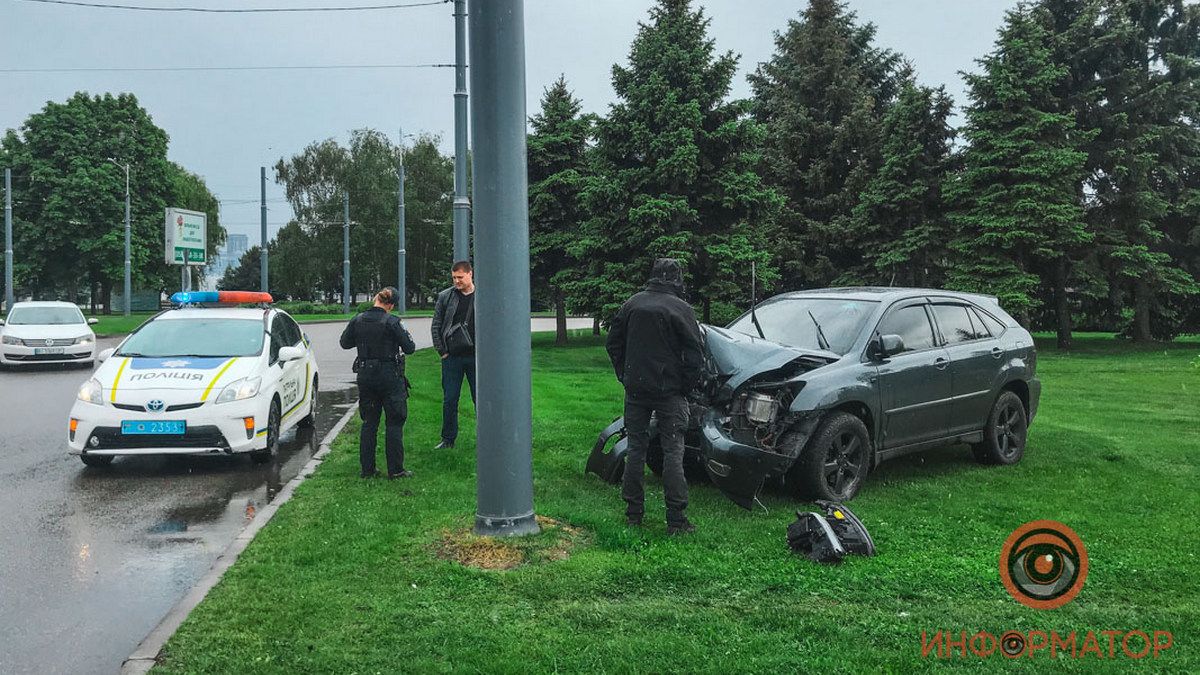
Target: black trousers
672, 414
454, 368
381, 389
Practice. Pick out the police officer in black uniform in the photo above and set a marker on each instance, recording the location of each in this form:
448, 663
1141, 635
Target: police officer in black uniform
380, 337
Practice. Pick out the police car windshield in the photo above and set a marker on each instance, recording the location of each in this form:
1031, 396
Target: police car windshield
45, 316
196, 337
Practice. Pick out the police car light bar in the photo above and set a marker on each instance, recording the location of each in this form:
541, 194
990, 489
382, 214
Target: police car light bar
223, 297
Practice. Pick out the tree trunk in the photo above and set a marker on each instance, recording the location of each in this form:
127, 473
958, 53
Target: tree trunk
560, 312
1062, 308
596, 326
707, 311
106, 295
92, 300
1142, 297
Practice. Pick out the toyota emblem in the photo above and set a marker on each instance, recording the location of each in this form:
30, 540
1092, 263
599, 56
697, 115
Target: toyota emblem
154, 406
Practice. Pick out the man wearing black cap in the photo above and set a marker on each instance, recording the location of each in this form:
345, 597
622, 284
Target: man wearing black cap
655, 346
379, 338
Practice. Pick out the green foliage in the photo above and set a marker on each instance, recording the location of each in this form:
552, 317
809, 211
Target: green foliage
68, 204
557, 176
315, 181
900, 221
673, 172
246, 275
1017, 196
1149, 183
821, 99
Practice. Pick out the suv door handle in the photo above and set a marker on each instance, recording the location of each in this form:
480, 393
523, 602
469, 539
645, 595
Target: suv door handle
997, 352
941, 362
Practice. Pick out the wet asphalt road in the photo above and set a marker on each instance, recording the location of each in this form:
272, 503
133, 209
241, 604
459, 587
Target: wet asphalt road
92, 559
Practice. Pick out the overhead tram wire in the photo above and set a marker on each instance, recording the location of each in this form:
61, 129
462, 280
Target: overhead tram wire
173, 69
243, 10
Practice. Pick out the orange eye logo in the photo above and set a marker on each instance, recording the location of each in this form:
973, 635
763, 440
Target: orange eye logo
1043, 564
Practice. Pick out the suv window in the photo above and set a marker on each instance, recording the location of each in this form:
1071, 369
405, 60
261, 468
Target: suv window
990, 324
911, 324
955, 323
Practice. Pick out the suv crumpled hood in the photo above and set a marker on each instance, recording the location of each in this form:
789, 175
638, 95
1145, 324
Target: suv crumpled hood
739, 357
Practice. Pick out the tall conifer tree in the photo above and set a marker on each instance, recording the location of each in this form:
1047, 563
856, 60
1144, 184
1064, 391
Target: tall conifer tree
675, 171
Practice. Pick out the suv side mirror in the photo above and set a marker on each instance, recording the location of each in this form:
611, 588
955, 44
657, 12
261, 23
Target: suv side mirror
883, 346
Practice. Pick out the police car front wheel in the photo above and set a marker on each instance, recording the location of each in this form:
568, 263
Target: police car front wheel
264, 455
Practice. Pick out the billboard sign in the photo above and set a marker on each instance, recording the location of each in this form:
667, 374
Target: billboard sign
186, 235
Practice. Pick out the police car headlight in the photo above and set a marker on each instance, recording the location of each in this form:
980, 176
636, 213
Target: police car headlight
90, 392
10, 340
85, 340
247, 387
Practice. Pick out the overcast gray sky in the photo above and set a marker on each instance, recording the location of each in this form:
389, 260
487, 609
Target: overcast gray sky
224, 125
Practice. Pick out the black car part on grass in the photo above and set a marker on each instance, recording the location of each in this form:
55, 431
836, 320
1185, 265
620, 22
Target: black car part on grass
828, 538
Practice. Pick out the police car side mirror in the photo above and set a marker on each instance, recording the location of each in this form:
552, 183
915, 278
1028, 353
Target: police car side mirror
103, 356
290, 354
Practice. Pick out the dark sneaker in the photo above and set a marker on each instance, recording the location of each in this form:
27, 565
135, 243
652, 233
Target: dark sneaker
685, 527
444, 446
633, 521
372, 474
403, 474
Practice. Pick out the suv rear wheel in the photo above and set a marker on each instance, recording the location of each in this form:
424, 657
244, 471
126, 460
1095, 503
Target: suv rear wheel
836, 461
1006, 431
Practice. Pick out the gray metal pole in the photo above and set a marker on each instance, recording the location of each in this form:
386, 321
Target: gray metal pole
345, 252
128, 254
504, 454
462, 204
8, 245
401, 302
262, 186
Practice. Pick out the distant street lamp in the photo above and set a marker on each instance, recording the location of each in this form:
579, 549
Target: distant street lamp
401, 253
128, 264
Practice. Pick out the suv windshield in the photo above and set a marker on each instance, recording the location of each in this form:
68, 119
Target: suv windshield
787, 322
196, 337
45, 316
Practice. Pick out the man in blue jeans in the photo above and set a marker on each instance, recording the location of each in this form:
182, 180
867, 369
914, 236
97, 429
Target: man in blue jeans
453, 331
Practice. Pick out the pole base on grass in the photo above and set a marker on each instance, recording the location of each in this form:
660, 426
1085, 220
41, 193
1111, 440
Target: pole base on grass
491, 526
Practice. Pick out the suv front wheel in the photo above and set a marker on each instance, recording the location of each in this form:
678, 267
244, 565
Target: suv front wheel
836, 461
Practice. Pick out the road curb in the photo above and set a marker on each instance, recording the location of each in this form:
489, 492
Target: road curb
145, 656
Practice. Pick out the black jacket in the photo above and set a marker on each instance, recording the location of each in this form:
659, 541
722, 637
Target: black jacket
443, 319
654, 343
377, 335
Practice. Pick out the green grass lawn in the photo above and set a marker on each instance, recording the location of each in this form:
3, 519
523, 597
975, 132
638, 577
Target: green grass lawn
346, 577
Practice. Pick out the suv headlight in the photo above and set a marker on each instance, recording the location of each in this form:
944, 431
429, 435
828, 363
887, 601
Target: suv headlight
91, 392
247, 387
85, 339
10, 340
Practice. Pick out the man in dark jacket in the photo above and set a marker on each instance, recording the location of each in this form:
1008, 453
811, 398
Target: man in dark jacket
379, 338
453, 331
655, 346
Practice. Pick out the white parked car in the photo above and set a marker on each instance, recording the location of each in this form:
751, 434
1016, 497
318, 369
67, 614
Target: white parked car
198, 381
46, 332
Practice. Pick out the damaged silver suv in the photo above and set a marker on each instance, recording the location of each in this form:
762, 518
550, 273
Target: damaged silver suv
816, 388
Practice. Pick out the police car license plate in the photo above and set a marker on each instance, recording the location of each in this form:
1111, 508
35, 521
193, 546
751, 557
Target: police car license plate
177, 427
47, 350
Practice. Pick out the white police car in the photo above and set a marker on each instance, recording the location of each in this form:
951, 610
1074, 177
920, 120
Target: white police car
198, 381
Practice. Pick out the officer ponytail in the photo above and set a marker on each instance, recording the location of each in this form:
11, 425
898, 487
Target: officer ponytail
387, 296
